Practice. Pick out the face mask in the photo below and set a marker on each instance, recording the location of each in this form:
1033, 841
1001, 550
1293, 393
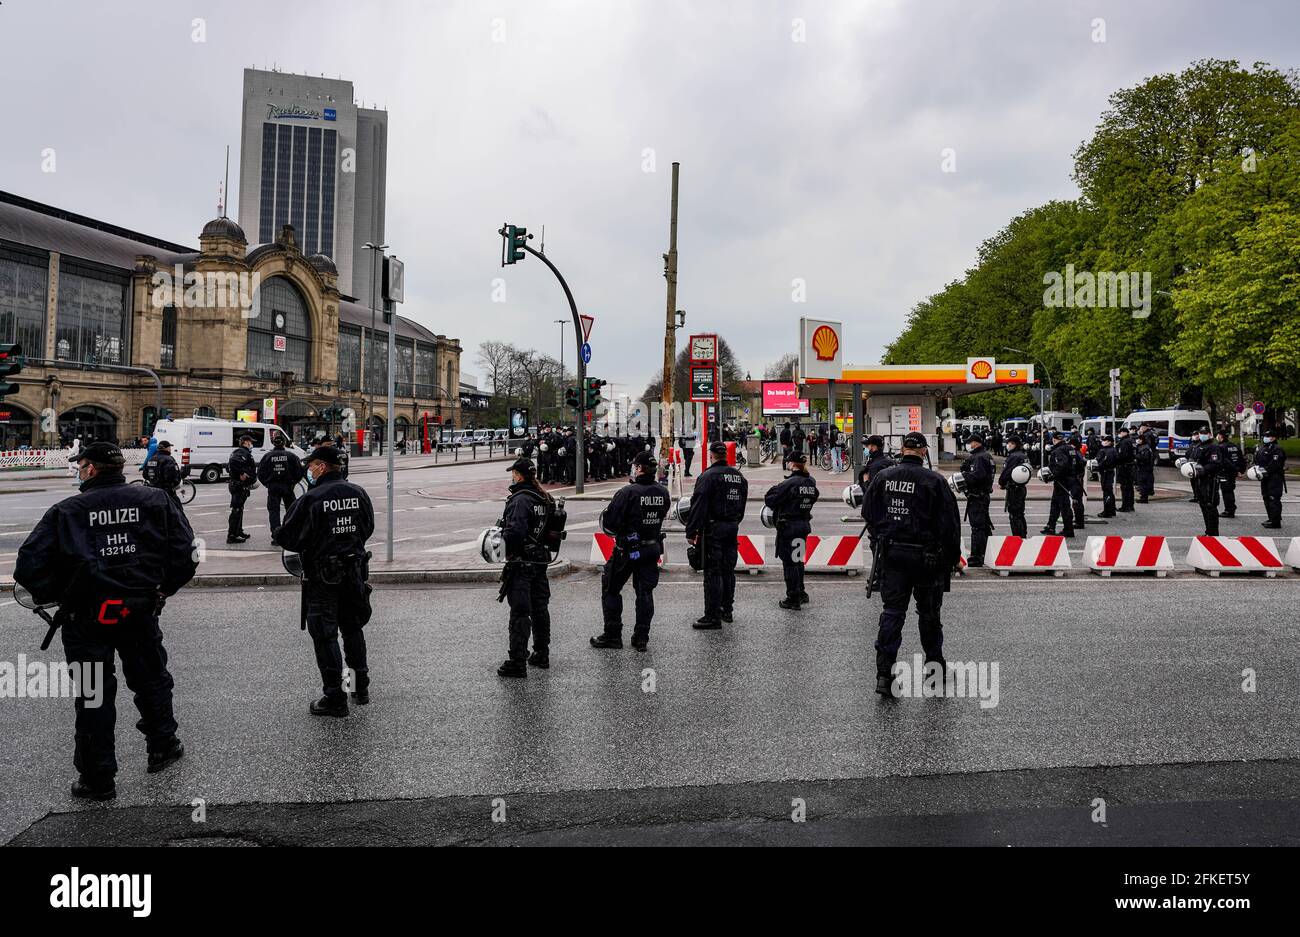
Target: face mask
1204, 438
972, 448
1268, 439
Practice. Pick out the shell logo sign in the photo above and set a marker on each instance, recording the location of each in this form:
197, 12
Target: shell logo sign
981, 371
825, 343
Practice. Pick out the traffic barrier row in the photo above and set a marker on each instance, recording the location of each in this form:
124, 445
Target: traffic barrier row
1047, 554
825, 554
1107, 555
1217, 555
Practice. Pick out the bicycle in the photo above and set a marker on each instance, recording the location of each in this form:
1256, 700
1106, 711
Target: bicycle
185, 491
767, 450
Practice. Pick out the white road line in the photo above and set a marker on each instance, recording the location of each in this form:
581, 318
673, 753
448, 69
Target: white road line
455, 547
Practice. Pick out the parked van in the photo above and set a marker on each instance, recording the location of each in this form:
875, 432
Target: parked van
1103, 425
1064, 420
204, 444
1175, 427
1021, 426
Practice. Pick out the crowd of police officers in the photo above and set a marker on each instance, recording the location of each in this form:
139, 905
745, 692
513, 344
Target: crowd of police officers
112, 554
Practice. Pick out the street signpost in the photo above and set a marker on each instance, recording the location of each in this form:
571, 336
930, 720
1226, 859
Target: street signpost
586, 353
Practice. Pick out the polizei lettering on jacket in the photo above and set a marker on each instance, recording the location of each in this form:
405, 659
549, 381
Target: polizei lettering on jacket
343, 504
900, 487
112, 516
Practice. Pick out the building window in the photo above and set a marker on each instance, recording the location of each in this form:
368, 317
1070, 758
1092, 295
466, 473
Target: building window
22, 302
279, 336
91, 322
349, 359
405, 369
311, 233
283, 164
266, 215
376, 362
89, 424
299, 178
451, 381
167, 358
205, 411
426, 372
328, 155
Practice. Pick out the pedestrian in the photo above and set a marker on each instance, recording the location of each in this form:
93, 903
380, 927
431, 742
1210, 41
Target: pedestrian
915, 534
162, 472
687, 441
635, 519
977, 469
1270, 467
329, 526
279, 472
528, 512
717, 507
1016, 491
787, 440
110, 556
791, 501
1207, 462
1234, 465
243, 476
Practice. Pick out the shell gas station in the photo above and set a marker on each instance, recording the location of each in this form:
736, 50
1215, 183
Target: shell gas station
892, 400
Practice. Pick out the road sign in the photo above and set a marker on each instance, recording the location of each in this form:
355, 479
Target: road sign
587, 323
1241, 407
704, 383
1258, 406
586, 353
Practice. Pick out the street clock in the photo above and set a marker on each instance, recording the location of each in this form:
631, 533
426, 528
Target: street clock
704, 348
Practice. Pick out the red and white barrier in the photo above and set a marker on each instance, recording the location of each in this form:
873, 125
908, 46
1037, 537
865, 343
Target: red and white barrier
1215, 555
834, 554
1106, 555
1006, 555
602, 548
1293, 554
750, 551
35, 458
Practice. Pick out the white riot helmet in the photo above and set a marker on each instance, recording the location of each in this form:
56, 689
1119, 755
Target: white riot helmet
544, 447
852, 496
1190, 469
957, 482
609, 447
1179, 463
562, 451
1021, 474
519, 453
1257, 473
768, 517
492, 546
1045, 473
600, 524
684, 510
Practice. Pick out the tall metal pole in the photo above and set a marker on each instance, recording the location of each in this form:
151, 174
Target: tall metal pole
392, 344
670, 330
559, 389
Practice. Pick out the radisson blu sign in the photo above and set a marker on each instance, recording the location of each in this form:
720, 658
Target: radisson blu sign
297, 112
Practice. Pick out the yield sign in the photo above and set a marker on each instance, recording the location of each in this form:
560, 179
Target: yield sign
586, 327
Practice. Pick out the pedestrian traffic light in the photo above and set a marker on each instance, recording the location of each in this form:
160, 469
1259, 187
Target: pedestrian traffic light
10, 364
593, 386
515, 239
571, 397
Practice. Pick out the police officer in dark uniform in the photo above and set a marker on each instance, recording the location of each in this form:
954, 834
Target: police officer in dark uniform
1077, 491
161, 470
792, 500
1016, 493
1144, 467
345, 458
1125, 459
717, 508
915, 534
1234, 465
329, 526
977, 469
1107, 460
279, 471
110, 556
635, 519
243, 475
1060, 462
1270, 458
1206, 454
874, 459
523, 581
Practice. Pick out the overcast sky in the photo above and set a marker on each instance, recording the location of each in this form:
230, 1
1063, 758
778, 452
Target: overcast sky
818, 159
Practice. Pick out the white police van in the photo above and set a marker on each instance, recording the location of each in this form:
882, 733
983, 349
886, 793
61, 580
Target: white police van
1175, 427
204, 444
1103, 426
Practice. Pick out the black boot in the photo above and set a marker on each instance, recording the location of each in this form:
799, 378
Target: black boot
325, 706
726, 616
87, 790
706, 624
361, 697
605, 640
513, 668
789, 604
641, 644
803, 598
168, 756
540, 659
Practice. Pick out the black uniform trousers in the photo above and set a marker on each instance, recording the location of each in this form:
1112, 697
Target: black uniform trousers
277, 497
1146, 482
1228, 491
528, 592
903, 577
645, 576
138, 643
332, 610
238, 495
1270, 490
688, 455
1060, 507
1124, 473
1076, 501
720, 555
1015, 505
1108, 493
1207, 497
787, 536
977, 512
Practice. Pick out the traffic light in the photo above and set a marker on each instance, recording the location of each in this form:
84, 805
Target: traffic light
10, 364
571, 397
594, 384
514, 244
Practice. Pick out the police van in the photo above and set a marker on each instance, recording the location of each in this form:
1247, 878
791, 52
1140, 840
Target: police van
203, 444
1019, 425
1103, 426
1175, 427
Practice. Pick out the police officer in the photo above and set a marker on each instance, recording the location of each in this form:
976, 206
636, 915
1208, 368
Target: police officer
875, 459
1060, 462
243, 475
977, 469
329, 526
635, 519
1077, 490
1016, 493
688, 440
1234, 465
523, 581
1270, 458
792, 502
110, 556
161, 470
717, 508
1124, 463
1204, 452
1107, 460
340, 446
279, 471
915, 534
1144, 467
